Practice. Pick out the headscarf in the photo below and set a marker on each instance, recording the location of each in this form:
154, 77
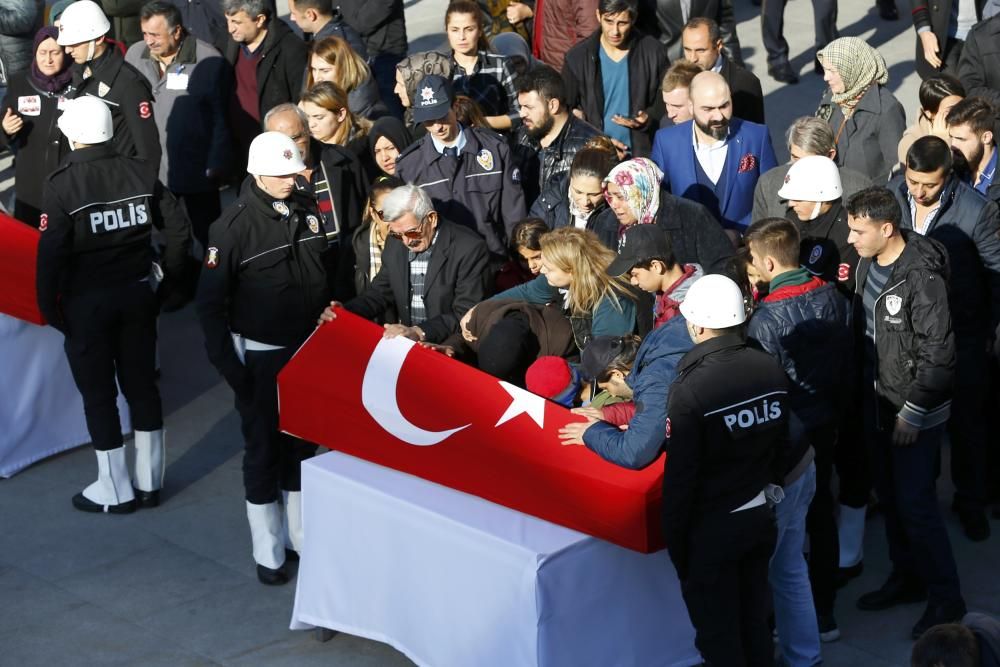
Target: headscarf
415, 67
639, 179
860, 67
392, 129
512, 44
62, 78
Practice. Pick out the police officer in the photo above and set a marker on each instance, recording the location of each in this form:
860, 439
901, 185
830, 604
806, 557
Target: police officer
727, 431
100, 71
262, 288
468, 172
94, 262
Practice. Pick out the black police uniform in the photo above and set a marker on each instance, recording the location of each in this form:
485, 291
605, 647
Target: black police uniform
264, 281
727, 432
94, 260
480, 188
128, 94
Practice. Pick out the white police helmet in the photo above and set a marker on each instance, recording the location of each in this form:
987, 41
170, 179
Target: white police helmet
81, 22
274, 154
86, 120
714, 302
812, 178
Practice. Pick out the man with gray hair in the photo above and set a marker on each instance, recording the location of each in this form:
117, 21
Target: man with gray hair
269, 60
433, 271
807, 135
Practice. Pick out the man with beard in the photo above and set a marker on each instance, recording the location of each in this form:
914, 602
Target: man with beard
970, 129
549, 137
715, 159
938, 205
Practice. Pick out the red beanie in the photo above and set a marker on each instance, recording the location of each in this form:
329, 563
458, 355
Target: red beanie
549, 376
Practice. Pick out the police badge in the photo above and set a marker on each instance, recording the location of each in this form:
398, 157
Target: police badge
212, 258
281, 207
485, 159
893, 303
816, 253
313, 224
103, 89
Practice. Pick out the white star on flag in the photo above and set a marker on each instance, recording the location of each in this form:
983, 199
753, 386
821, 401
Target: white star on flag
524, 402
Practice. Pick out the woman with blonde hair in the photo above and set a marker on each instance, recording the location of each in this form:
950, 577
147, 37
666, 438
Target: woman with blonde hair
574, 278
332, 59
332, 122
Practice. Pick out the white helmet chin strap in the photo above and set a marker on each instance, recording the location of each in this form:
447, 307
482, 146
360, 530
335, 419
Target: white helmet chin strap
815, 211
91, 47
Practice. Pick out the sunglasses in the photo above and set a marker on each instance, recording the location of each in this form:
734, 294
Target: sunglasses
411, 234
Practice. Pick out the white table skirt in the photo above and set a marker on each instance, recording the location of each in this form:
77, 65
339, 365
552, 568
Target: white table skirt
450, 579
41, 411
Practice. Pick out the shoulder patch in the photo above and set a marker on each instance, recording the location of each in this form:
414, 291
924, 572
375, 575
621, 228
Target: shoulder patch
43, 222
145, 110
212, 258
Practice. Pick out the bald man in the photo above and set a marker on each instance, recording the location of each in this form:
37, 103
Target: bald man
715, 159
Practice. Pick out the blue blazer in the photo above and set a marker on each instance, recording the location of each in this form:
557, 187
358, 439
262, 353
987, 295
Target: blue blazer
750, 154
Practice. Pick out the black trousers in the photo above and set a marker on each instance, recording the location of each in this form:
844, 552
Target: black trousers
271, 459
772, 27
905, 480
726, 587
967, 425
203, 208
111, 334
821, 525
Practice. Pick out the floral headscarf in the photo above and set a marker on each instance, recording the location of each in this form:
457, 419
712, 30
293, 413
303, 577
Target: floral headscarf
860, 67
639, 180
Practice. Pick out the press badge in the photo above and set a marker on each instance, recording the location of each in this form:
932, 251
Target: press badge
29, 105
177, 81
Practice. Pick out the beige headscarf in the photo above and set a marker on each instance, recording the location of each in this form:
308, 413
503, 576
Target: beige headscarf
860, 67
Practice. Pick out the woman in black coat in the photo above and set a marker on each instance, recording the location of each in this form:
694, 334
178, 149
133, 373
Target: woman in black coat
576, 198
29, 115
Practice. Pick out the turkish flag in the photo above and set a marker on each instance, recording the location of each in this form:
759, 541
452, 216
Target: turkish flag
18, 254
397, 404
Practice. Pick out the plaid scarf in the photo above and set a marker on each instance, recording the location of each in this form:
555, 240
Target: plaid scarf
860, 67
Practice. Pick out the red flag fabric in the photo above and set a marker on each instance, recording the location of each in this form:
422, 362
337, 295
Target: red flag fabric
18, 253
397, 404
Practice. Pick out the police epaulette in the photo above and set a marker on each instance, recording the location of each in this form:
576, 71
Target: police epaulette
411, 148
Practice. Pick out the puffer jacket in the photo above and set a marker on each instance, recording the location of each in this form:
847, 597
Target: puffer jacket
19, 21
807, 329
653, 372
552, 206
968, 226
915, 356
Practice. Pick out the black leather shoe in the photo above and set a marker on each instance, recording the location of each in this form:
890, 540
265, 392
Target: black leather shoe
84, 504
898, 589
887, 10
147, 499
937, 613
783, 73
975, 524
269, 577
845, 574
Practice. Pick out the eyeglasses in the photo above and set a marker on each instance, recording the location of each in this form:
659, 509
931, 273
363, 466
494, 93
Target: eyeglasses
410, 233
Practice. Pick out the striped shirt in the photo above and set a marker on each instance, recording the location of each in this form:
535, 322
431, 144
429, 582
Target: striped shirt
875, 282
418, 272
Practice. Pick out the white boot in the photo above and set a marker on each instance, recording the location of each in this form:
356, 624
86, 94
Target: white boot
112, 492
150, 464
293, 520
851, 530
268, 542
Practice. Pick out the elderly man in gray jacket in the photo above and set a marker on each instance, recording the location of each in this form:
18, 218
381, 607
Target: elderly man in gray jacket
192, 84
807, 135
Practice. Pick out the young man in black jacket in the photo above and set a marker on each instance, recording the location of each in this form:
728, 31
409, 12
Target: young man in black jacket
936, 203
907, 351
613, 78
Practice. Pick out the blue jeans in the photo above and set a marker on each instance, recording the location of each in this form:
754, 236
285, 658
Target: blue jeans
794, 613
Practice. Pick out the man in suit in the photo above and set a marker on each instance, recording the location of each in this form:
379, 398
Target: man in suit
433, 271
715, 159
666, 19
702, 44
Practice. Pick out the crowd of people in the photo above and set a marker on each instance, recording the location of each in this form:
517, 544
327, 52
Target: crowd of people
572, 204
